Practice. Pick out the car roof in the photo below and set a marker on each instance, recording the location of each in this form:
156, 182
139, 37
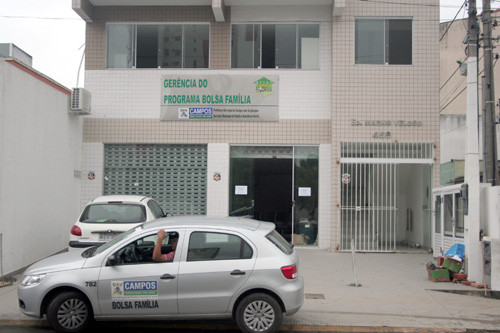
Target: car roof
210, 222
123, 198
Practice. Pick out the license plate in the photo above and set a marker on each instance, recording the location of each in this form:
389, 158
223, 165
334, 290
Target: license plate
107, 236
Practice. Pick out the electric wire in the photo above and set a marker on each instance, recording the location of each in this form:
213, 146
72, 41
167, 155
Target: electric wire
448, 28
465, 88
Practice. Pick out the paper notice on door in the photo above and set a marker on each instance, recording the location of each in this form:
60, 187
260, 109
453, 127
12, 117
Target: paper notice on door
304, 191
241, 190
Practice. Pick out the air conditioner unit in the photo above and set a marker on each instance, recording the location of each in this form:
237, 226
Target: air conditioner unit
80, 101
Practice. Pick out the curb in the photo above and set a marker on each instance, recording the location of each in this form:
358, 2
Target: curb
226, 326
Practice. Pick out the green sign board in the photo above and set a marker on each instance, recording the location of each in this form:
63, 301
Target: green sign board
220, 97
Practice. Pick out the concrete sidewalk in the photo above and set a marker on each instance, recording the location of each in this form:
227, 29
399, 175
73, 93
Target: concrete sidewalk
394, 293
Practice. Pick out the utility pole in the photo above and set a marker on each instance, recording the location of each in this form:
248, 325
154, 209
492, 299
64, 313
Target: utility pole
471, 196
490, 160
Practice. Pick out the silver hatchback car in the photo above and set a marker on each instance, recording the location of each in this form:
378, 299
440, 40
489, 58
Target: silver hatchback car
210, 268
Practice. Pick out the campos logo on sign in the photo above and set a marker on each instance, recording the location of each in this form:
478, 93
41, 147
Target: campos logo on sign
195, 113
134, 289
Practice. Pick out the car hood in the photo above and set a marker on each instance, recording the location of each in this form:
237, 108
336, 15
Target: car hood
60, 262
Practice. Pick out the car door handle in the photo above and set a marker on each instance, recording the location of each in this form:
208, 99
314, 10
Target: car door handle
167, 277
237, 272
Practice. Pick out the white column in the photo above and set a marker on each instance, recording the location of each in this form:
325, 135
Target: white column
472, 225
217, 189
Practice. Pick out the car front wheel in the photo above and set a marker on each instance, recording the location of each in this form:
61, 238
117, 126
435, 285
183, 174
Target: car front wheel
259, 313
69, 312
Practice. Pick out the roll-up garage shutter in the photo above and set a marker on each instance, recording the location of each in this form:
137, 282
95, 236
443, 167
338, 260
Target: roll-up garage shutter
174, 175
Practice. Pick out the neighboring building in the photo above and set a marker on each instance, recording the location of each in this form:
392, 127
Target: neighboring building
40, 158
453, 93
450, 222
321, 116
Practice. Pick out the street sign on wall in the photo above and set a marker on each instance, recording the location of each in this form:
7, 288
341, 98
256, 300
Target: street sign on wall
220, 97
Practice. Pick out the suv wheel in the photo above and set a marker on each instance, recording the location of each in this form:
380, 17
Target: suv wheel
69, 312
259, 313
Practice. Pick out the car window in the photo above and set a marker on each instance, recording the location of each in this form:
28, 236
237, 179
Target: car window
141, 250
112, 242
113, 213
205, 246
281, 243
155, 209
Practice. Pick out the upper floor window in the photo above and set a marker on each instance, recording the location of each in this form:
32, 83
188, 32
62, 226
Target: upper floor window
275, 46
383, 41
157, 46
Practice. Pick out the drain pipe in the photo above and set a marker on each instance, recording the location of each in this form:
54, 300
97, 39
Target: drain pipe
355, 284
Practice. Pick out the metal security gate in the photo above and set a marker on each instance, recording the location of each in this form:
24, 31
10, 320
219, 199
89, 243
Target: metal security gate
174, 175
370, 190
369, 206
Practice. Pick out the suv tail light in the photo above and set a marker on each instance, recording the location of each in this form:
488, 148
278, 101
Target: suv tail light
76, 231
290, 272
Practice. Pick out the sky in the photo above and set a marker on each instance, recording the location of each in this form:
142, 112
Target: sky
54, 35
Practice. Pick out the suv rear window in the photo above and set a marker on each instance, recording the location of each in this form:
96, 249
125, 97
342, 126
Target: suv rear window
280, 242
113, 213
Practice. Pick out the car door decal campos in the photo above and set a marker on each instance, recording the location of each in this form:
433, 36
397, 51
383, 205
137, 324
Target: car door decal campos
143, 293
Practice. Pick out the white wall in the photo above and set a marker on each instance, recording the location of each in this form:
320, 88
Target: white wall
325, 198
93, 161
414, 194
40, 148
490, 205
218, 191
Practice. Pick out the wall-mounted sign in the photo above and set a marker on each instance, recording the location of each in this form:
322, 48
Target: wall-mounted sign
91, 175
217, 176
241, 190
304, 191
218, 97
386, 123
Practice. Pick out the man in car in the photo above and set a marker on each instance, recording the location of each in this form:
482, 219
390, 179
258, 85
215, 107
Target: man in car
157, 255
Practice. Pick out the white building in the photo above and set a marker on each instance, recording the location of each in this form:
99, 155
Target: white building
40, 155
321, 116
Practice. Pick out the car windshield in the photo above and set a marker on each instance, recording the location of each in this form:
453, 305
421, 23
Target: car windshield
280, 242
113, 213
99, 249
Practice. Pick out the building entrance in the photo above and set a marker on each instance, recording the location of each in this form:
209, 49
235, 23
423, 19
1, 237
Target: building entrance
386, 196
279, 185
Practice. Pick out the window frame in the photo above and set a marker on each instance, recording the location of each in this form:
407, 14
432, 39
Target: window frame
154, 238
258, 26
385, 20
243, 241
158, 25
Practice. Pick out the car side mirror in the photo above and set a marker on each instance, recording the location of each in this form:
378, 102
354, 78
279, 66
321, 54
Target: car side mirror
111, 260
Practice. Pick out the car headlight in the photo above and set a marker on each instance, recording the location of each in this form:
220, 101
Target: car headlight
32, 280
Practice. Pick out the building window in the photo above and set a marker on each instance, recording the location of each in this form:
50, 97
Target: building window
275, 46
383, 41
158, 46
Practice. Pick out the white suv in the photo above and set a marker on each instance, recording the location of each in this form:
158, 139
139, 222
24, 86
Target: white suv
107, 216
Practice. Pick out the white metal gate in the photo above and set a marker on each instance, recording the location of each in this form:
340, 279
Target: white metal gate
369, 206
369, 191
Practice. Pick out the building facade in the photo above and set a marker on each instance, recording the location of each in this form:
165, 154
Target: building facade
320, 116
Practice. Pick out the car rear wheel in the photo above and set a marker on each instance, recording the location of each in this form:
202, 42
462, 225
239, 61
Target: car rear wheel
69, 311
259, 313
